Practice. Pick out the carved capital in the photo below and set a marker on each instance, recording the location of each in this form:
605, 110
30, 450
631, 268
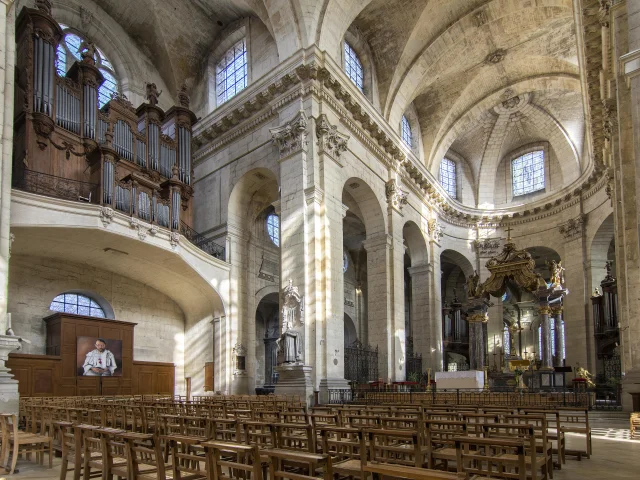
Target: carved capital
436, 230
174, 239
292, 136
556, 310
544, 309
478, 318
330, 140
396, 197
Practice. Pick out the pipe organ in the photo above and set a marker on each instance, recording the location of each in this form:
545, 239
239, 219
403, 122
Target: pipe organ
134, 160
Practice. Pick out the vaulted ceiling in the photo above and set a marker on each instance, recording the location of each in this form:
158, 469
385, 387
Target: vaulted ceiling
456, 61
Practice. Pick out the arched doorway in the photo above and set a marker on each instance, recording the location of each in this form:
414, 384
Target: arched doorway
267, 332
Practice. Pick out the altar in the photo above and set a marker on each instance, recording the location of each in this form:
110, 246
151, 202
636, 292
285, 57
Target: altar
462, 379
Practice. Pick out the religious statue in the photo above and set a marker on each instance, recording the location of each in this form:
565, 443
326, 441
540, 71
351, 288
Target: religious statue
290, 342
557, 273
152, 93
583, 373
473, 285
596, 292
87, 50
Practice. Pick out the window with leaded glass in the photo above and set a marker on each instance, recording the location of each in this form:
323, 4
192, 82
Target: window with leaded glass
353, 66
273, 228
448, 177
406, 131
77, 304
506, 340
528, 173
68, 52
231, 72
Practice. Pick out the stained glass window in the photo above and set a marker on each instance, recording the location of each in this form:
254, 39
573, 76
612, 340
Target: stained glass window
448, 177
353, 66
406, 131
345, 262
506, 341
68, 53
231, 72
273, 228
78, 304
528, 173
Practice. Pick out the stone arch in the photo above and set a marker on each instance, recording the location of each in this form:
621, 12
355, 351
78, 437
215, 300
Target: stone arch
415, 243
600, 249
457, 258
254, 191
369, 207
267, 330
350, 333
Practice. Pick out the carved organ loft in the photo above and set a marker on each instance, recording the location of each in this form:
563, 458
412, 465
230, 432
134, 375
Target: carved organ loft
133, 160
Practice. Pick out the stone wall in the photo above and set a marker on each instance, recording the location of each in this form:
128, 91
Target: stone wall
34, 282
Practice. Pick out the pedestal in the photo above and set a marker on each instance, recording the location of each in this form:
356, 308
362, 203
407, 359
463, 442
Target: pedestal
9, 396
295, 380
631, 389
327, 384
464, 379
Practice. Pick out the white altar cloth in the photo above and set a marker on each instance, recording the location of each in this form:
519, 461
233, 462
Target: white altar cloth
463, 379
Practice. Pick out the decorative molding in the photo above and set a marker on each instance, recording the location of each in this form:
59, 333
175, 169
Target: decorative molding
86, 17
106, 215
574, 227
313, 194
292, 136
495, 57
396, 197
239, 349
330, 140
174, 239
436, 230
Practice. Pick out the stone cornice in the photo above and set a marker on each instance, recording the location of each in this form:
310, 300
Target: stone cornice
313, 74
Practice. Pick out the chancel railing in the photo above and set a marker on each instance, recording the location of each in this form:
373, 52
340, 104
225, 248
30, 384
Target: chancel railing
361, 363
134, 160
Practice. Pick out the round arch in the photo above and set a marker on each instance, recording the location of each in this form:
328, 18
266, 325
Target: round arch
415, 242
369, 209
350, 333
99, 299
252, 193
457, 258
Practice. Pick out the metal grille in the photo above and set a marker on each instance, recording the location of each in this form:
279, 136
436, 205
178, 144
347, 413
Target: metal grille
361, 363
448, 178
231, 72
353, 66
528, 173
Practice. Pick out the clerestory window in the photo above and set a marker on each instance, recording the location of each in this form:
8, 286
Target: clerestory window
405, 130
231, 72
448, 177
353, 67
273, 228
527, 172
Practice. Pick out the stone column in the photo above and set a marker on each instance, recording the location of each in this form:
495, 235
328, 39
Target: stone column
435, 359
379, 254
547, 359
9, 397
556, 313
477, 317
420, 318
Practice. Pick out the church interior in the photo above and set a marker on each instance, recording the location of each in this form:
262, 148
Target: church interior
306, 239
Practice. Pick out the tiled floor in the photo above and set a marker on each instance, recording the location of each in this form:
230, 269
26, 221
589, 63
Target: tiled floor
615, 456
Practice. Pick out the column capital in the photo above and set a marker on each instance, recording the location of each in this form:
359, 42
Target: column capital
396, 197
544, 309
330, 140
478, 318
345, 208
314, 194
556, 310
291, 137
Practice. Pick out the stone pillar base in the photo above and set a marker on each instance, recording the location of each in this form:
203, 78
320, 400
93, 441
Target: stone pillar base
9, 396
327, 384
240, 384
295, 380
630, 385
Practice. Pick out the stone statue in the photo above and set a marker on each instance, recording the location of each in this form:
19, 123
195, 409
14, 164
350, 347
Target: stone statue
473, 284
290, 344
557, 272
87, 50
152, 93
596, 292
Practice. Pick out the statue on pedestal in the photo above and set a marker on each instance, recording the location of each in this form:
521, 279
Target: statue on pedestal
557, 273
290, 344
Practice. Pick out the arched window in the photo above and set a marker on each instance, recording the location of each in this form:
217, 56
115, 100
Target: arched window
68, 53
527, 172
78, 304
448, 178
405, 130
273, 228
231, 72
345, 262
353, 66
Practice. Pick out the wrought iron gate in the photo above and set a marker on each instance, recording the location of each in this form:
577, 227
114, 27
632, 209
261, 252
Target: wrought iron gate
361, 363
414, 362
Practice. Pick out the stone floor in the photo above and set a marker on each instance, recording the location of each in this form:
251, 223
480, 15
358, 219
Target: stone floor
615, 456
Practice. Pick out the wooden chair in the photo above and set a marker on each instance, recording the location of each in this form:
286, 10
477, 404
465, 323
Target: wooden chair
399, 447
284, 464
386, 471
16, 442
439, 441
114, 456
634, 425
242, 461
554, 434
144, 455
491, 458
91, 446
347, 447
538, 464
576, 421
543, 444
189, 461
